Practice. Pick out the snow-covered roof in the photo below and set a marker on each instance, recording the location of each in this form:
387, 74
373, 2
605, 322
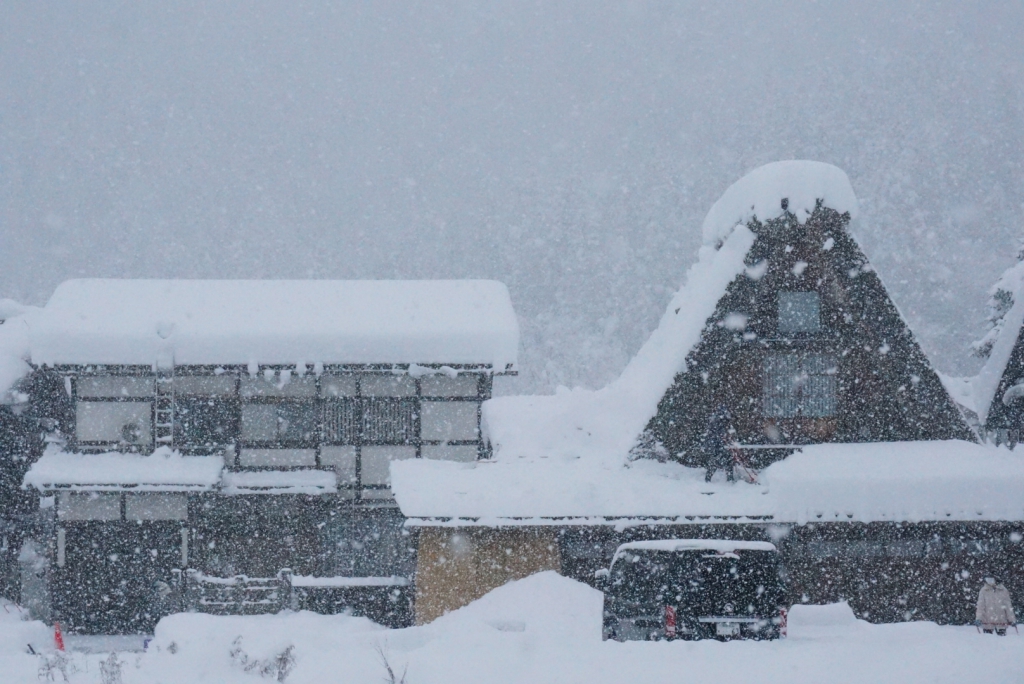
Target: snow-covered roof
943, 480
147, 322
677, 545
605, 423
163, 470
961, 390
14, 353
760, 193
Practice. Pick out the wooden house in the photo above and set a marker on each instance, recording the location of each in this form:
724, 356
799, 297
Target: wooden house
231, 433
875, 489
805, 346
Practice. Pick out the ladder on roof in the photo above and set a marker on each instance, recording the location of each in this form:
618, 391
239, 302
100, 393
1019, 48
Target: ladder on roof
164, 423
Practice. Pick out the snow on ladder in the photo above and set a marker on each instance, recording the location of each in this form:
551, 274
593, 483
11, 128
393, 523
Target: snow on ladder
164, 424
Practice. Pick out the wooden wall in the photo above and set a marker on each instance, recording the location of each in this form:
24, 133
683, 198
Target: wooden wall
457, 566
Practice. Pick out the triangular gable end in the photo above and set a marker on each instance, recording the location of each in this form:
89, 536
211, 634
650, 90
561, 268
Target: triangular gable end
804, 347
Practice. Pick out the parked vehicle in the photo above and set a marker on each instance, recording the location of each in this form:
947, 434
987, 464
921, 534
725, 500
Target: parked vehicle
694, 589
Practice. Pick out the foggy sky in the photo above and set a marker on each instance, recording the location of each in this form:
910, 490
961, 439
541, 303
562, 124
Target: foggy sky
570, 150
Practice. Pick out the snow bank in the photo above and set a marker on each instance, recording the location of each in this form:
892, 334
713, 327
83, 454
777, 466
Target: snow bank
833, 615
545, 605
546, 628
276, 322
950, 480
604, 424
760, 193
17, 631
163, 470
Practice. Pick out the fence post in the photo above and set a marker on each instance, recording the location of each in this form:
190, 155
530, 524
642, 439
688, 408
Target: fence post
288, 598
189, 591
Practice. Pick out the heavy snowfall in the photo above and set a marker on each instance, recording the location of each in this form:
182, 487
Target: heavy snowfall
460, 342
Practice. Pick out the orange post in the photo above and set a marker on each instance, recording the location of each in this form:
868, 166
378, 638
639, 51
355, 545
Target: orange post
58, 638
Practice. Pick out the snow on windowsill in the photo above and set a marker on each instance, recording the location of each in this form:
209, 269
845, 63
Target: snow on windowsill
163, 470
342, 582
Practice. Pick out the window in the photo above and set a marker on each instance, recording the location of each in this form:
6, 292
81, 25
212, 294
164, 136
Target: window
799, 385
205, 385
343, 460
388, 420
277, 458
799, 312
284, 422
451, 452
443, 386
387, 386
122, 422
114, 386
341, 421
448, 421
156, 506
277, 385
205, 421
89, 506
376, 466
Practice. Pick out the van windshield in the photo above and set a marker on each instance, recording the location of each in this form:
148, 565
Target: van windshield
700, 582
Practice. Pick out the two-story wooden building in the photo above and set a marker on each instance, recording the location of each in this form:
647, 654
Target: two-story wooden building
247, 427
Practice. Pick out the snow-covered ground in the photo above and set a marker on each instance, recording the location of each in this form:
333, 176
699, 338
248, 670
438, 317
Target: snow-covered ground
545, 628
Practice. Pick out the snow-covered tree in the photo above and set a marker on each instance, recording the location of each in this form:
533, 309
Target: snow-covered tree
1002, 297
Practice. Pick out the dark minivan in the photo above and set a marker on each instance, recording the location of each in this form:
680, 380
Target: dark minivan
694, 589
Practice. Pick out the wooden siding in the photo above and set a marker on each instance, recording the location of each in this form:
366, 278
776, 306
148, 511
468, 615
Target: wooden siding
457, 566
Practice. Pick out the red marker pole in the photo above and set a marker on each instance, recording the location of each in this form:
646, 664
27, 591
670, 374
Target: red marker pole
58, 638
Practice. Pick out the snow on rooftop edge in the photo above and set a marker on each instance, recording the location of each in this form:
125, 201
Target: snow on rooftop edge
109, 321
717, 545
604, 424
939, 480
760, 193
163, 470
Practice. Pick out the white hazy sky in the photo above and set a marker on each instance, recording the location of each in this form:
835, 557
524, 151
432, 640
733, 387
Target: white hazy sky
567, 149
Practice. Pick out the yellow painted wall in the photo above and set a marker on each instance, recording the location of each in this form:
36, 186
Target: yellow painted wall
456, 566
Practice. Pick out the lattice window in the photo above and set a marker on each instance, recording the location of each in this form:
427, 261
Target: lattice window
388, 420
799, 384
341, 421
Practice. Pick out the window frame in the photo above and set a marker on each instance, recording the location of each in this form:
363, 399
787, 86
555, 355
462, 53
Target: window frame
349, 380
770, 391
797, 332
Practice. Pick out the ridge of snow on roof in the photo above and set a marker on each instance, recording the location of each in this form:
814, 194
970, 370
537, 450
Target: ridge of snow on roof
759, 194
163, 470
107, 321
986, 382
604, 423
877, 481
